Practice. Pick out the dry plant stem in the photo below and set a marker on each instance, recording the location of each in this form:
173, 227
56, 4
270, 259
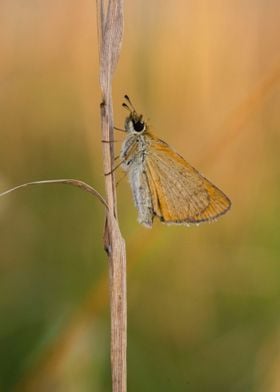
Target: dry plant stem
115, 247
110, 30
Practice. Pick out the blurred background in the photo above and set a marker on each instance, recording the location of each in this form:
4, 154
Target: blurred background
203, 302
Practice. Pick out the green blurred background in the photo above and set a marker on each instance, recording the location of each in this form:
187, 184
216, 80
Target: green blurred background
203, 302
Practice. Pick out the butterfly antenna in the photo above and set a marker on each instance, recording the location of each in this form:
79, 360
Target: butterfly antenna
126, 107
129, 101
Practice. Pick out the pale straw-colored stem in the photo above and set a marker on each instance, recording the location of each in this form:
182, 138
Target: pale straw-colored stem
110, 31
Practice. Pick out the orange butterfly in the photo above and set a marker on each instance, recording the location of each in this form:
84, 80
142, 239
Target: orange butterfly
162, 182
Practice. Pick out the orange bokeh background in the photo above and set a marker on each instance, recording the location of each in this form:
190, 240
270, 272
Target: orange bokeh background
202, 302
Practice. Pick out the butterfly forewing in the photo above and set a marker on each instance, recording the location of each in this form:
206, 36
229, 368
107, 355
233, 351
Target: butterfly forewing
179, 193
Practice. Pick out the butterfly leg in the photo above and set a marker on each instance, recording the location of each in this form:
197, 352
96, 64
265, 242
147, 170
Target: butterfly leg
121, 178
114, 168
119, 129
111, 141
124, 159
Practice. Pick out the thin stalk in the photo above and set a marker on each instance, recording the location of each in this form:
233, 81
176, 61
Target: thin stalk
110, 31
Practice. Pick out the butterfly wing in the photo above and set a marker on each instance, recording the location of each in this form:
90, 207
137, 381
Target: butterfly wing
179, 193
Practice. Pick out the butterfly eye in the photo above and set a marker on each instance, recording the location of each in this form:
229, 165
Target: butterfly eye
138, 126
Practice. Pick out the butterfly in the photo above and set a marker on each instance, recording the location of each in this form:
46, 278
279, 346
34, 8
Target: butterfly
163, 184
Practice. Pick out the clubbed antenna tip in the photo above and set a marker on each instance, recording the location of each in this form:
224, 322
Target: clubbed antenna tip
130, 103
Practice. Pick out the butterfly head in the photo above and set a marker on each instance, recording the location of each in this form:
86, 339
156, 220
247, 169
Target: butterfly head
134, 122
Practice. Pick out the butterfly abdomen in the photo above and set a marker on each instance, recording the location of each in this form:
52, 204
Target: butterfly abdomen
141, 194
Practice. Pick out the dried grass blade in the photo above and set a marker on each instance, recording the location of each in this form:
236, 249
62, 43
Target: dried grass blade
67, 181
